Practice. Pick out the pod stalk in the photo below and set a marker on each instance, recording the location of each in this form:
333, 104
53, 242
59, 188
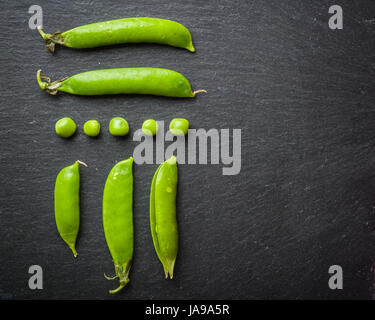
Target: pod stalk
199, 91
121, 286
51, 39
122, 272
82, 163
47, 85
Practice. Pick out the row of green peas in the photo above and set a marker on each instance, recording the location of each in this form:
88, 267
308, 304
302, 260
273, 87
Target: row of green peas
66, 127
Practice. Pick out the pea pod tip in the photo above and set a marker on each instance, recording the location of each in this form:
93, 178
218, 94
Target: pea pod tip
168, 268
191, 48
74, 251
172, 160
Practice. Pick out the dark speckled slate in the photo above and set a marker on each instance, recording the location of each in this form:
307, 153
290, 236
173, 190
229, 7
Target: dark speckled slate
304, 98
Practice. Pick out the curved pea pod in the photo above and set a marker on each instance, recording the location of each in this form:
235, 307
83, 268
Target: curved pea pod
128, 30
152, 81
67, 204
163, 219
118, 219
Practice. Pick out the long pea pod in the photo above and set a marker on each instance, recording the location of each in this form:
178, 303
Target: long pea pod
163, 219
67, 204
128, 30
152, 81
118, 219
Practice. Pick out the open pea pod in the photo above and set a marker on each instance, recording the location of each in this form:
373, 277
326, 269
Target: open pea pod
163, 220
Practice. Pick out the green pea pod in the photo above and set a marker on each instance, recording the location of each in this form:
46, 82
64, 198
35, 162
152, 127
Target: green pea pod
163, 219
129, 30
67, 204
118, 219
153, 81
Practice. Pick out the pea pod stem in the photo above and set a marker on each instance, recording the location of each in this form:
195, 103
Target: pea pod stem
82, 163
199, 91
51, 39
49, 87
122, 274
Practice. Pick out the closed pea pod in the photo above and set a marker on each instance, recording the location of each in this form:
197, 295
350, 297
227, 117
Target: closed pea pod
128, 30
152, 81
163, 219
118, 219
67, 204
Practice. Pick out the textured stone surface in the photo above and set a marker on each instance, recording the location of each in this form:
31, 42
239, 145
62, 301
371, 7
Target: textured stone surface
304, 98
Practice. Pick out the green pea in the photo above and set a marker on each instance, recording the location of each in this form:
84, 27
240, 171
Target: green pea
150, 127
118, 127
65, 127
129, 30
118, 219
179, 127
163, 219
92, 128
154, 81
67, 204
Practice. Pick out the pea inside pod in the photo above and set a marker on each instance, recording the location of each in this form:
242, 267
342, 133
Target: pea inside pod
118, 219
67, 204
128, 30
152, 81
163, 219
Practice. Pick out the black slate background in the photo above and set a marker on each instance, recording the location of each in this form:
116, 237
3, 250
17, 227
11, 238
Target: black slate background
304, 98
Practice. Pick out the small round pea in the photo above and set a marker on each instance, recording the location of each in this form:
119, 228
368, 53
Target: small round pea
179, 127
65, 127
91, 128
118, 127
150, 127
